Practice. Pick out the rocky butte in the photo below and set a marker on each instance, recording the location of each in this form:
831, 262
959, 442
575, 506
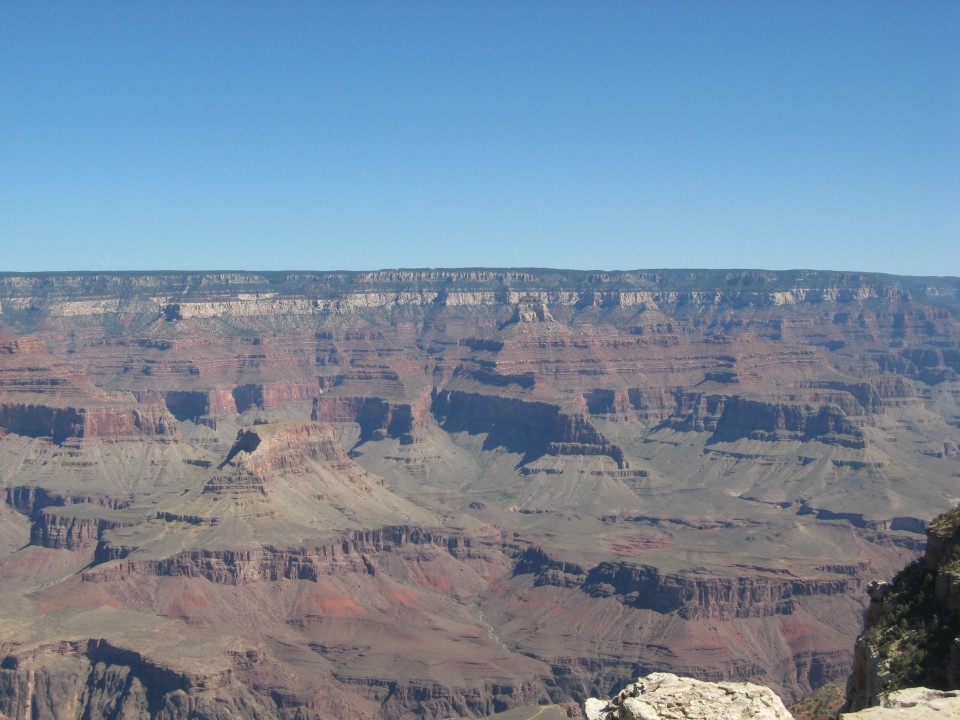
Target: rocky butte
436, 493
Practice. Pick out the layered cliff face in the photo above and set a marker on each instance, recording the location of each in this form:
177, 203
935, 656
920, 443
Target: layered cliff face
531, 486
41, 397
94, 679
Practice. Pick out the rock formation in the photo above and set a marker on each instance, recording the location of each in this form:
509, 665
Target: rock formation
262, 489
912, 704
664, 696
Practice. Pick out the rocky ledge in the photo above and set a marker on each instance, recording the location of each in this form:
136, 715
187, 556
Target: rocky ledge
912, 704
664, 696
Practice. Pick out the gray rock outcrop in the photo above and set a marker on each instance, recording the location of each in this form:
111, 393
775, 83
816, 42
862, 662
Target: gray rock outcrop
665, 696
912, 704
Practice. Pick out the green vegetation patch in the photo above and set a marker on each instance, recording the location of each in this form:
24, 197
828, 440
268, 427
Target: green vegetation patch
946, 526
822, 704
915, 636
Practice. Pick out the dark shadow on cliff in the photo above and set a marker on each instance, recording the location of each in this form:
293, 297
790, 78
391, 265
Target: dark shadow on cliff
517, 426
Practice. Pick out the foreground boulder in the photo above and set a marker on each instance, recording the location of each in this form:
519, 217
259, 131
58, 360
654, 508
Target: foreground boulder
664, 696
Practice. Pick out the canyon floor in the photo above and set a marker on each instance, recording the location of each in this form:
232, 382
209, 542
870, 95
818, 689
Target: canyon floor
449, 493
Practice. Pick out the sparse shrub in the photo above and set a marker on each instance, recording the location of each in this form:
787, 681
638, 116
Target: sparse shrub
915, 636
822, 704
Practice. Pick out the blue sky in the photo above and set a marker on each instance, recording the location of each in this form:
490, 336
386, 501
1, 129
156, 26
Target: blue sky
591, 135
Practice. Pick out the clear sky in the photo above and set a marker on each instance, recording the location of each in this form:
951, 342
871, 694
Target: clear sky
593, 135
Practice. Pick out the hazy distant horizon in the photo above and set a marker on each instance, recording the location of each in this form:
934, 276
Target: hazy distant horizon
476, 268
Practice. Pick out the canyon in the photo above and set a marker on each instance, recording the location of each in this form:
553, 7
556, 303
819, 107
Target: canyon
436, 493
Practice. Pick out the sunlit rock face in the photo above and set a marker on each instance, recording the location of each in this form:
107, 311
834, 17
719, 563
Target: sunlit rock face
453, 492
664, 696
912, 704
